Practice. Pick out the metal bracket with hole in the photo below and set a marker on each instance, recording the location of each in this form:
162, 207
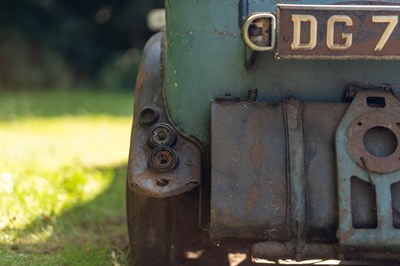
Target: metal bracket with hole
368, 152
259, 31
163, 162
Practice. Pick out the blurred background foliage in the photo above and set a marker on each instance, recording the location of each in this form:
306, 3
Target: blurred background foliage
73, 43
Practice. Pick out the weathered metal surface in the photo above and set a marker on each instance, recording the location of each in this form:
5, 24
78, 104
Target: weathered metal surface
295, 163
389, 161
264, 175
269, 176
243, 11
162, 161
274, 177
277, 250
249, 189
338, 32
352, 90
373, 241
206, 58
320, 122
162, 134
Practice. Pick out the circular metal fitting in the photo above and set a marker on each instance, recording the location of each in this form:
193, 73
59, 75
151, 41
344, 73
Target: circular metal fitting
163, 159
148, 116
373, 142
162, 134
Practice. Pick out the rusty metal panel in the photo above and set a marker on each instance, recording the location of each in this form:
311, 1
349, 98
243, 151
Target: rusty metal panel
274, 178
338, 32
249, 191
312, 176
289, 145
320, 122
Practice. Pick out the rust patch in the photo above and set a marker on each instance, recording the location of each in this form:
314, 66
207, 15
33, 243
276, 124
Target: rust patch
154, 169
357, 147
252, 198
140, 77
248, 191
257, 156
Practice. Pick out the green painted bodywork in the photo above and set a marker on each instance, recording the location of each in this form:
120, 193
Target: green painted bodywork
205, 58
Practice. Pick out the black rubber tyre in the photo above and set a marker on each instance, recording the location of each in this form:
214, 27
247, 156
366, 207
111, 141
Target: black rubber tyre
149, 226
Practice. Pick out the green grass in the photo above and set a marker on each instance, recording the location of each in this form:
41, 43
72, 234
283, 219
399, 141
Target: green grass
64, 103
63, 156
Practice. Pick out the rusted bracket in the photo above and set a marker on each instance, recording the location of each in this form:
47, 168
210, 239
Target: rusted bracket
367, 149
163, 161
351, 92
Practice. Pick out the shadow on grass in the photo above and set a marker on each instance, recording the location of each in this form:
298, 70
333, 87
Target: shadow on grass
93, 233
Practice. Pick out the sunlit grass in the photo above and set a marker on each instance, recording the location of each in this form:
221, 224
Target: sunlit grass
60, 190
50, 143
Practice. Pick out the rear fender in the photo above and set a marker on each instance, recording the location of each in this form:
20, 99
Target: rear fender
163, 161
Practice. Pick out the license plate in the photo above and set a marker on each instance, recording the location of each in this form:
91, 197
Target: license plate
338, 32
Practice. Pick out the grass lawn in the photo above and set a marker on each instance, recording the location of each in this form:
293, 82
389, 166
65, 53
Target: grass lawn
63, 157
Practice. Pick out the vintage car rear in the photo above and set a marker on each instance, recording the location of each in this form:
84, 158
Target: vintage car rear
277, 123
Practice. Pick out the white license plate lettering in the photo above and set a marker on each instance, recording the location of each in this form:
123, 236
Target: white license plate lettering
338, 32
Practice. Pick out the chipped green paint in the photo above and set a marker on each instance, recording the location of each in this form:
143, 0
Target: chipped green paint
205, 58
